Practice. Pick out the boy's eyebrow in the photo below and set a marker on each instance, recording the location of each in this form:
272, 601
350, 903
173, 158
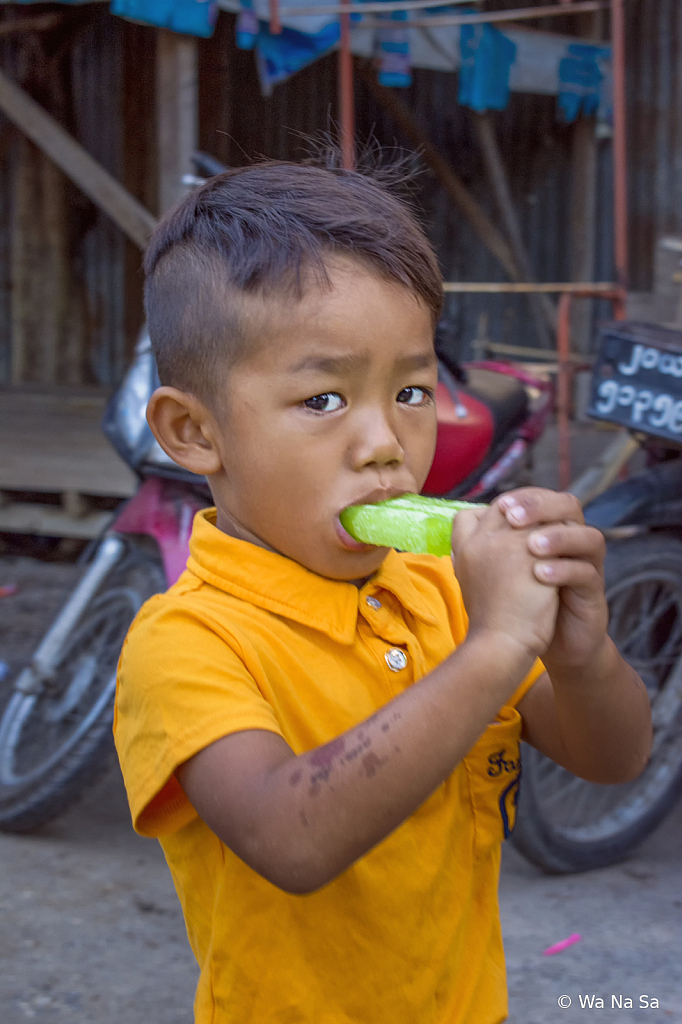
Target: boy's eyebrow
346, 364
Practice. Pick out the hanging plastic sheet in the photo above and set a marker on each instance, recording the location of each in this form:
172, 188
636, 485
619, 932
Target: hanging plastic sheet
191, 17
487, 57
282, 55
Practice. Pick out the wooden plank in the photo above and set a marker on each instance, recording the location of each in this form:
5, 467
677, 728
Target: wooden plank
100, 186
478, 18
526, 352
42, 23
177, 116
53, 442
542, 310
50, 521
22, 263
584, 201
549, 287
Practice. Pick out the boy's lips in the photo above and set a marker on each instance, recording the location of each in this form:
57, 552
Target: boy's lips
350, 542
368, 499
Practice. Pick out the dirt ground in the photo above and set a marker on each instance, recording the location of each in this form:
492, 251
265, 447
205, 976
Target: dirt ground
91, 930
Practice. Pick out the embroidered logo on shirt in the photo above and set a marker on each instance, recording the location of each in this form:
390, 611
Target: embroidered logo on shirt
499, 765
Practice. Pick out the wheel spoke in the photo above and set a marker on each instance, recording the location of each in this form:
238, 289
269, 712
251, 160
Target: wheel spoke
48, 731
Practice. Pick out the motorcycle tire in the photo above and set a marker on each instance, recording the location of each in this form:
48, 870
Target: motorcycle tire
565, 824
56, 743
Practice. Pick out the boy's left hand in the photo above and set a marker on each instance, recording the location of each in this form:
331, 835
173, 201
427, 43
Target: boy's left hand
570, 556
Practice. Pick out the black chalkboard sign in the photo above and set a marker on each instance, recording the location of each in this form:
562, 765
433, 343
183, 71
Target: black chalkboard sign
637, 379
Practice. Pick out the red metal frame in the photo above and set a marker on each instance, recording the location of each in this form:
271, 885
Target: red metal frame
618, 299
620, 180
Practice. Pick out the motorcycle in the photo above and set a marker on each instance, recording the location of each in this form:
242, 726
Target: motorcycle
565, 824
56, 730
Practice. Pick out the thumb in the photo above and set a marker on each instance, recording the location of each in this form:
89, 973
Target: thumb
465, 525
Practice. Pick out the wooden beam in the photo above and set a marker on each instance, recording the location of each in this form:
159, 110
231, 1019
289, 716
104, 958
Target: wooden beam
42, 23
536, 354
542, 310
96, 182
177, 118
51, 521
454, 186
577, 288
437, 20
583, 209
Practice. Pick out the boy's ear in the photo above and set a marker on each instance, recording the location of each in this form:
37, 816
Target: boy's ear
185, 429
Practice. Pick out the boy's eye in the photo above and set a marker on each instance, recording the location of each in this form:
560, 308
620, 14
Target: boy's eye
415, 396
318, 403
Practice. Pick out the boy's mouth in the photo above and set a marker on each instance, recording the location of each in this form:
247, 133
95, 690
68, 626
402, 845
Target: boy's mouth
350, 542
379, 494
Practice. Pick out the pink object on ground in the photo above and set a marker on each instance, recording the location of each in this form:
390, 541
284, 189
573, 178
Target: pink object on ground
8, 590
558, 947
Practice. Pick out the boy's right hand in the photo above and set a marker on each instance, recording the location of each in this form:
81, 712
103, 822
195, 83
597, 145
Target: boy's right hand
494, 568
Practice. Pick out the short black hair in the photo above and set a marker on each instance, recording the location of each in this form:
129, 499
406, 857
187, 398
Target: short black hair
261, 230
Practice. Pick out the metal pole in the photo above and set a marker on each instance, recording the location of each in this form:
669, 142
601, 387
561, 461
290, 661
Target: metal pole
346, 92
620, 182
563, 337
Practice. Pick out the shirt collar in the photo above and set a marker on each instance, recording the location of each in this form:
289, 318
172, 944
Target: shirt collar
282, 586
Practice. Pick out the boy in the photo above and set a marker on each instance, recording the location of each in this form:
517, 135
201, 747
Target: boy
325, 742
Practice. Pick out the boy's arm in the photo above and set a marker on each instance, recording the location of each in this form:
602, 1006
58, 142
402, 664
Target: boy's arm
590, 712
301, 820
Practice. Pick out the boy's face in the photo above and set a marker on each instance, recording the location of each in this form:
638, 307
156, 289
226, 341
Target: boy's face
337, 408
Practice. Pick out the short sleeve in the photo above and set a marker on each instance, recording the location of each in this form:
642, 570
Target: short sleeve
180, 687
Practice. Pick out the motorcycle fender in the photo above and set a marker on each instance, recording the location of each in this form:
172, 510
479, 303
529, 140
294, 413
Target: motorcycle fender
652, 498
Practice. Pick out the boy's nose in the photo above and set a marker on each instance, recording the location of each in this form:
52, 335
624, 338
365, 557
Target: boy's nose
378, 442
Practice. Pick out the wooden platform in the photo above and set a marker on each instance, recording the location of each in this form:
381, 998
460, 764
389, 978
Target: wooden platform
52, 443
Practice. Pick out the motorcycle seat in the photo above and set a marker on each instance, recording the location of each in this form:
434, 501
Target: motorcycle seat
504, 395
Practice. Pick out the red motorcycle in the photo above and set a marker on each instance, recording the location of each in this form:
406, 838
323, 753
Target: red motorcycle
55, 733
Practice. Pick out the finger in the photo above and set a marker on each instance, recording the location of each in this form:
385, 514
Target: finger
466, 522
582, 577
529, 506
561, 540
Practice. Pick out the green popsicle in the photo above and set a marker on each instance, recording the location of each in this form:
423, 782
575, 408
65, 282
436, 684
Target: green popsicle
409, 523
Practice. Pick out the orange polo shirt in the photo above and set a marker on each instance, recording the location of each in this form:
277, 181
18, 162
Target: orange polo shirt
249, 639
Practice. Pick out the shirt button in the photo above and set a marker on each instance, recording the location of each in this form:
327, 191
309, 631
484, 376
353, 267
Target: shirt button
373, 603
396, 659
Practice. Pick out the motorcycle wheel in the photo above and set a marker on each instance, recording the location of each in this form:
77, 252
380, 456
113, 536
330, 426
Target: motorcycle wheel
566, 824
56, 743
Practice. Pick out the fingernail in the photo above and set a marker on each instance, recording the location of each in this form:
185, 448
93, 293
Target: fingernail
518, 514
546, 571
541, 542
506, 503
